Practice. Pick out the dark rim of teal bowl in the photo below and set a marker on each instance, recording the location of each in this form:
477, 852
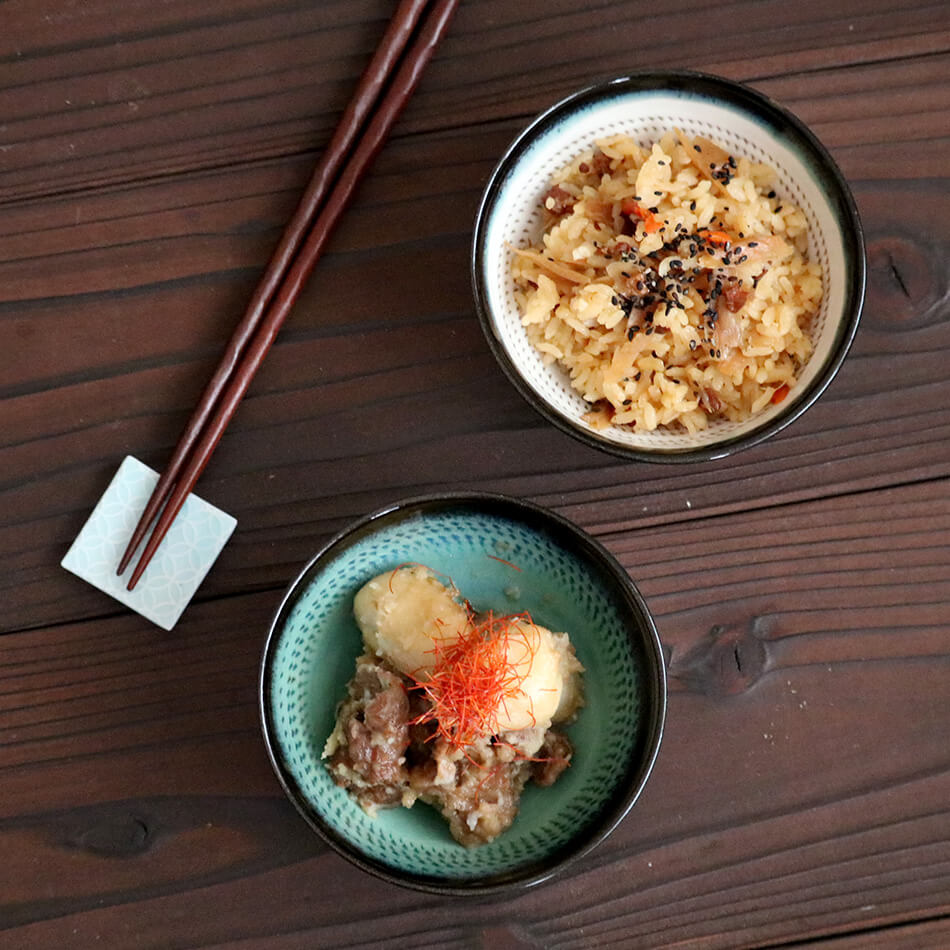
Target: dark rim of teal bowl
644, 640
784, 125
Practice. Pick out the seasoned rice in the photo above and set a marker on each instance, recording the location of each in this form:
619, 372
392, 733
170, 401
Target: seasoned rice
672, 284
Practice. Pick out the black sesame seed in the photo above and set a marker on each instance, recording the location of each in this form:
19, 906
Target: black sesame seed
636, 378
696, 148
771, 194
658, 192
692, 206
753, 243
627, 402
778, 208
692, 344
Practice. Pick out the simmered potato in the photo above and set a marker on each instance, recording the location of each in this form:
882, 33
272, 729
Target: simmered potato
403, 613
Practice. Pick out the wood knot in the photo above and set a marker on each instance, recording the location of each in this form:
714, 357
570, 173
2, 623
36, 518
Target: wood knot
727, 660
906, 284
115, 836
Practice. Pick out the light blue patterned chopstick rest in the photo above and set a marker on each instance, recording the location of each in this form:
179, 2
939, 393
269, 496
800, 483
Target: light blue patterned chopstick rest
191, 546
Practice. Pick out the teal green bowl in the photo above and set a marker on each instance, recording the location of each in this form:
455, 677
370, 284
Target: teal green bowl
508, 556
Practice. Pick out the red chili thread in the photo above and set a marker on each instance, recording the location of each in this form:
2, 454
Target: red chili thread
474, 677
446, 580
514, 567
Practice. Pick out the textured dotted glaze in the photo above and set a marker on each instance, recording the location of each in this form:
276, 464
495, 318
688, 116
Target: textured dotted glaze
312, 657
513, 217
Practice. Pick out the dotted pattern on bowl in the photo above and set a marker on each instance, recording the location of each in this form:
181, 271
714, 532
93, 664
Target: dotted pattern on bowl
309, 674
516, 219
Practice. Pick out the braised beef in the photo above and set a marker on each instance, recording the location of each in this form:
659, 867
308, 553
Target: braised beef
552, 759
385, 756
558, 201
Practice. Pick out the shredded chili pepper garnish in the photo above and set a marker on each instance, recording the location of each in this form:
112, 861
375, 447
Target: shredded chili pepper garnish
514, 567
501, 767
475, 676
446, 580
518, 754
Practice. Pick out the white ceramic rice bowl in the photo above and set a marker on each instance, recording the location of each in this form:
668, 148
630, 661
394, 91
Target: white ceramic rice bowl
644, 106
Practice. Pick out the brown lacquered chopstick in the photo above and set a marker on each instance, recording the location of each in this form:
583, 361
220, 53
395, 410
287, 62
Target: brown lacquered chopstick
368, 91
213, 419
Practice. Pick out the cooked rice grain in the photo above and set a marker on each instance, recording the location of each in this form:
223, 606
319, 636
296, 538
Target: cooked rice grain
634, 292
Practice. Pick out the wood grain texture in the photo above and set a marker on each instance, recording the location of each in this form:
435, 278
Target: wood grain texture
117, 304
802, 787
927, 935
150, 154
93, 96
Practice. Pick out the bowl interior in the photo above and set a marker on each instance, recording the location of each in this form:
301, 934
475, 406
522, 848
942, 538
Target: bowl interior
645, 107
563, 580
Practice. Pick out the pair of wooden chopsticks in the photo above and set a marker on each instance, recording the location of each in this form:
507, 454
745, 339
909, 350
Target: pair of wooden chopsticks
414, 32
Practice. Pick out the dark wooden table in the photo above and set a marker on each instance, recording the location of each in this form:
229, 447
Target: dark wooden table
150, 153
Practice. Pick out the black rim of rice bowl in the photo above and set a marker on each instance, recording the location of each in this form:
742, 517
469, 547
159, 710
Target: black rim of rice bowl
779, 126
633, 633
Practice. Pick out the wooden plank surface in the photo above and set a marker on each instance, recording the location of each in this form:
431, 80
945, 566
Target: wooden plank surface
796, 793
150, 154
118, 304
105, 92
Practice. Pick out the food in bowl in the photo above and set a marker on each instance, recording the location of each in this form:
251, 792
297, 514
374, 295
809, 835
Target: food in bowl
672, 283
454, 708
510, 556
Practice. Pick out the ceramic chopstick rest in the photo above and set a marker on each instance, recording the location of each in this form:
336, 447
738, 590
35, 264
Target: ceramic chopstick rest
192, 545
